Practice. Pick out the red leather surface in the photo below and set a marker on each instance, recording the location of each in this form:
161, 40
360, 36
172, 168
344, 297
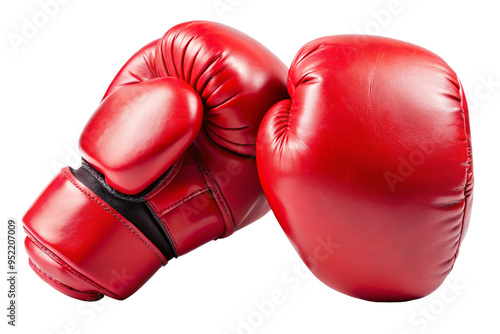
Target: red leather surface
149, 116
93, 248
187, 207
55, 274
238, 80
369, 165
140, 130
237, 182
236, 77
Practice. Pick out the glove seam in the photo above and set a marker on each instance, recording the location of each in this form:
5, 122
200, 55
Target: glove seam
167, 179
467, 177
155, 209
65, 173
69, 268
214, 188
292, 98
162, 182
182, 201
39, 270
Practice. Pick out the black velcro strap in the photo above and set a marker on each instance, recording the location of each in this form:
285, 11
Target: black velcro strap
134, 208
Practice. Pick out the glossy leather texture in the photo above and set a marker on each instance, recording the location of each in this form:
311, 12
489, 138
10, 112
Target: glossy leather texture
83, 247
368, 167
165, 113
175, 138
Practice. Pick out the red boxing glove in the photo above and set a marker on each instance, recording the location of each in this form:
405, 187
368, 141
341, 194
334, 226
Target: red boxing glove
368, 168
168, 163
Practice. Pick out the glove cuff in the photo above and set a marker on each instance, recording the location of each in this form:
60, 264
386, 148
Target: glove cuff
65, 226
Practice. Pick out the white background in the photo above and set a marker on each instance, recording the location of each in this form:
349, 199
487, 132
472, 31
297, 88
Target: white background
51, 84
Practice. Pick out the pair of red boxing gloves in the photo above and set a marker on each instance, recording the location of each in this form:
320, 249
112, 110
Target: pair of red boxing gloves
362, 151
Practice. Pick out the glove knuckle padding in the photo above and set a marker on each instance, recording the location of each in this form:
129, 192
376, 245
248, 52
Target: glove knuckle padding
235, 76
376, 155
169, 163
170, 111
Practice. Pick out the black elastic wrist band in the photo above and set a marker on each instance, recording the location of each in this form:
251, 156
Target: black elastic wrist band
134, 208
